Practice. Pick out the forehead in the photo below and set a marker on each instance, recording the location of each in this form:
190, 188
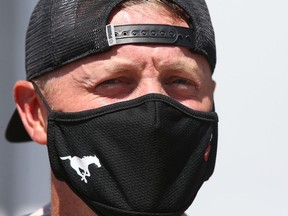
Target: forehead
146, 13
139, 56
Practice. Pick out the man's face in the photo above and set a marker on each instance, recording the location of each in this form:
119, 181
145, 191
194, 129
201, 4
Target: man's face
129, 71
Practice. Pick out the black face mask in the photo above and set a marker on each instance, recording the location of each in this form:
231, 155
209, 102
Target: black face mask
147, 156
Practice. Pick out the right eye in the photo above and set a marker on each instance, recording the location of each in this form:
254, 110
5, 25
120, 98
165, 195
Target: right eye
115, 87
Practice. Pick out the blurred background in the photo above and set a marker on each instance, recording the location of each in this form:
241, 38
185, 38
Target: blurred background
251, 98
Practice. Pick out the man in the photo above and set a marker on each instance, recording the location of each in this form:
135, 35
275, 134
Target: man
121, 92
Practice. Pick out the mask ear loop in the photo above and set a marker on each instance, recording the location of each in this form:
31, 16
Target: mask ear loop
37, 89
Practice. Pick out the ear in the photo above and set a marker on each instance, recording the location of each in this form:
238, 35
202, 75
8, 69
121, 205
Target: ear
31, 110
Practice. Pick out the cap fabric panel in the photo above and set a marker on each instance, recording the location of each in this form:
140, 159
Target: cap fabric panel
15, 131
62, 31
204, 33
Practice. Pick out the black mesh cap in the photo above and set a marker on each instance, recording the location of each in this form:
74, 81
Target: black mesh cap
62, 31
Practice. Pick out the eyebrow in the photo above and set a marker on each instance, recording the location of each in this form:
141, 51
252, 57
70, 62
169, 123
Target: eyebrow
121, 65
181, 65
114, 66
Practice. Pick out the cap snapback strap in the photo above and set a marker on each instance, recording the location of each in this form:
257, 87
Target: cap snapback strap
150, 33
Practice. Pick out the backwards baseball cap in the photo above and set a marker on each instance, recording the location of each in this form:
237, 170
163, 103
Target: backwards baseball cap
61, 32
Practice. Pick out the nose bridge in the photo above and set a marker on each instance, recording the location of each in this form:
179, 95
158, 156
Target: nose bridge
151, 77
151, 80
152, 85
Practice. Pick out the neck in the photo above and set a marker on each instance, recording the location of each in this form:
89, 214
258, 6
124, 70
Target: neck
64, 202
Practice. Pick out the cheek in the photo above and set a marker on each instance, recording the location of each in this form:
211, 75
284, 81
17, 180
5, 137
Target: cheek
204, 102
208, 100
67, 99
205, 105
208, 97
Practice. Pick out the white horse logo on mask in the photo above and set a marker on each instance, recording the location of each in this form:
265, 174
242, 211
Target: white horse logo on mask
80, 165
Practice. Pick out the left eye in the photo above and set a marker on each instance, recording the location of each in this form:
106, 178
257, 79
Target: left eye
181, 87
181, 81
111, 82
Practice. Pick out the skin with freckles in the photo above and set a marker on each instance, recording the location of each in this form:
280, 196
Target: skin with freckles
123, 73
